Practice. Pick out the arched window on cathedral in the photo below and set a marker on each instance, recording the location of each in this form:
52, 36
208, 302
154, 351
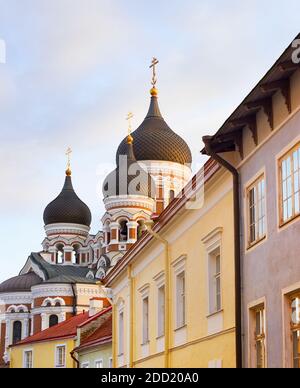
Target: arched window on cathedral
60, 254
17, 332
75, 254
57, 304
53, 320
123, 231
171, 195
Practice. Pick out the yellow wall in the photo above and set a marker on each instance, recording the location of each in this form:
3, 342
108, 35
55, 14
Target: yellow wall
43, 354
185, 234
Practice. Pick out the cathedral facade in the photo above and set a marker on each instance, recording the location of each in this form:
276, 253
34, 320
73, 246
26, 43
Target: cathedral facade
153, 164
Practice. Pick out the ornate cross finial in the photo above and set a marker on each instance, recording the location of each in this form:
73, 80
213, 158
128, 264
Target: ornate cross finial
129, 137
68, 154
154, 62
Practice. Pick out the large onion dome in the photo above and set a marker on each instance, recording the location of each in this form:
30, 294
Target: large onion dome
21, 283
129, 178
155, 141
67, 208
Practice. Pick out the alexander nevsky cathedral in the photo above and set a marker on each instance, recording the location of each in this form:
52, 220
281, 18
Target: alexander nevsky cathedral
153, 164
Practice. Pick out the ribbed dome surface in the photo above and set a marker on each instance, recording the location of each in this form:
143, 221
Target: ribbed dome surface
129, 178
154, 140
67, 208
20, 283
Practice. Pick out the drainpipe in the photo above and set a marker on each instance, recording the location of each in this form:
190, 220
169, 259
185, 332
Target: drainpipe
130, 316
75, 359
149, 225
74, 299
237, 246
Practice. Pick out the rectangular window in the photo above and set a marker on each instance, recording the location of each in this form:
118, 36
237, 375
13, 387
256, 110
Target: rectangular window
256, 195
180, 302
260, 336
60, 356
85, 365
215, 292
295, 327
289, 167
145, 320
121, 333
161, 311
28, 359
99, 364
110, 363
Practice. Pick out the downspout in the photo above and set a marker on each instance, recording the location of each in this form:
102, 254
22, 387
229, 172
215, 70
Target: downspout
130, 316
74, 300
167, 292
237, 246
75, 359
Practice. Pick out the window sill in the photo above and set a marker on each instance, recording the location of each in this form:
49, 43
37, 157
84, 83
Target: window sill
215, 313
255, 243
181, 328
289, 221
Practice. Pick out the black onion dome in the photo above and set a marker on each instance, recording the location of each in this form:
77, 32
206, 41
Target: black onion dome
154, 140
67, 208
21, 283
121, 181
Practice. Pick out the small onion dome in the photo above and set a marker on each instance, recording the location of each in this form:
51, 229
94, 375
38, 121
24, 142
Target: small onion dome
67, 208
155, 141
21, 283
129, 178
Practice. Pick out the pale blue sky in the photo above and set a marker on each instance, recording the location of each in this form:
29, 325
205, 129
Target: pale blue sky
76, 67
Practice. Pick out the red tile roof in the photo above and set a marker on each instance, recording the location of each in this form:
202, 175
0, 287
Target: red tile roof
66, 329
102, 335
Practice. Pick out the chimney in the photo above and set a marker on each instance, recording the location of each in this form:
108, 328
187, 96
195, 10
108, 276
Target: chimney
96, 305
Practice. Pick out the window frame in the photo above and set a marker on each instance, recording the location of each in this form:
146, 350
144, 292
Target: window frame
25, 352
121, 333
285, 156
295, 328
85, 365
145, 320
99, 361
57, 347
181, 300
253, 308
254, 184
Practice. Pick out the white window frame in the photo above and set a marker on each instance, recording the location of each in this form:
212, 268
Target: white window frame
57, 347
161, 304
85, 365
100, 361
121, 332
145, 329
25, 352
213, 247
180, 318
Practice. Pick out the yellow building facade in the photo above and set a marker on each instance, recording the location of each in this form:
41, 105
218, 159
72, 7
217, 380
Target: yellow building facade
174, 291
48, 354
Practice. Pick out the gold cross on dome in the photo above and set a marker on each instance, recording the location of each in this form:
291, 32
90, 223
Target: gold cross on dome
129, 118
68, 154
154, 62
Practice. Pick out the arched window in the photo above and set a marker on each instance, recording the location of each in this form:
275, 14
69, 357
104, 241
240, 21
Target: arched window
17, 332
123, 231
75, 254
57, 304
171, 195
21, 311
53, 320
60, 254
